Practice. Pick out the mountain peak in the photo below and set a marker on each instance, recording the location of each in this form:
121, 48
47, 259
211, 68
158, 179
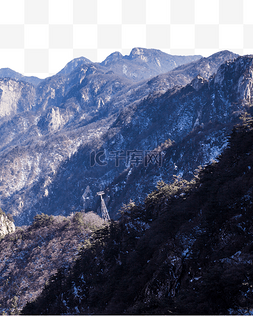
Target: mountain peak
74, 64
136, 51
112, 58
223, 54
144, 53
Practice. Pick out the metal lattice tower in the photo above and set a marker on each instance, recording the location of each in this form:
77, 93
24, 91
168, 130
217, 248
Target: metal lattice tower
104, 212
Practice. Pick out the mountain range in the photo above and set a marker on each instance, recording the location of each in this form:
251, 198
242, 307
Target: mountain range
50, 128
168, 139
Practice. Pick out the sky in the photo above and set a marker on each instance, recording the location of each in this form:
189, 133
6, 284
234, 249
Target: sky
39, 37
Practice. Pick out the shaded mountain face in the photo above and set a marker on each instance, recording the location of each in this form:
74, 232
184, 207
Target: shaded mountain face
186, 250
45, 158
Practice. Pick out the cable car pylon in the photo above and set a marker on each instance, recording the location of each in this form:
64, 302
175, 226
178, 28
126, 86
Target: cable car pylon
104, 212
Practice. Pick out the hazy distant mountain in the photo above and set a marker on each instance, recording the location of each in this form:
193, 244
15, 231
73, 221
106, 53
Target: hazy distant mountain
140, 64
8, 73
144, 63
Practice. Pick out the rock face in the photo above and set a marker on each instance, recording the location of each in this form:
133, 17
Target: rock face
16, 97
6, 226
49, 131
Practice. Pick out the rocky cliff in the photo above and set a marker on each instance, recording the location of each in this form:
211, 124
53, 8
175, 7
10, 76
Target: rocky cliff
6, 225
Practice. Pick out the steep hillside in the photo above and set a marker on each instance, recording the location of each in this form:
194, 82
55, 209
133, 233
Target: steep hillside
31, 254
186, 250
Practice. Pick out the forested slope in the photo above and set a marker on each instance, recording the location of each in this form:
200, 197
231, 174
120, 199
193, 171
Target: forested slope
186, 250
